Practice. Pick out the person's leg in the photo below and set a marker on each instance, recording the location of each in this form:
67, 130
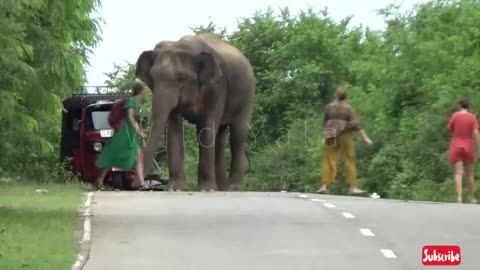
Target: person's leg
101, 177
456, 157
348, 155
139, 168
458, 166
329, 168
469, 169
469, 164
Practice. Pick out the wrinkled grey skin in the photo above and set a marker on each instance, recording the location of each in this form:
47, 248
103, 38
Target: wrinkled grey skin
211, 84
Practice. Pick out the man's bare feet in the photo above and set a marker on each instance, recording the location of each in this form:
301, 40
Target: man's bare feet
357, 191
323, 189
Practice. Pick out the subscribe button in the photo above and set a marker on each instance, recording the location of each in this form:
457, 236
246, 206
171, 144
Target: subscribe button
441, 255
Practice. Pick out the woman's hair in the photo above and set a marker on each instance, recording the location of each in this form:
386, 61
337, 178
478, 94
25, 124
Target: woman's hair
341, 93
464, 104
138, 87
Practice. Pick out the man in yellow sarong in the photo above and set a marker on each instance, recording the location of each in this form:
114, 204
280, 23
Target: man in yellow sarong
340, 123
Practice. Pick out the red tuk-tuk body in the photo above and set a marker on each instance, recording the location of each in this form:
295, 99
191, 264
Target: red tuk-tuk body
85, 130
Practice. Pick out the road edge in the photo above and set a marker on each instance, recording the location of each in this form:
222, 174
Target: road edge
86, 228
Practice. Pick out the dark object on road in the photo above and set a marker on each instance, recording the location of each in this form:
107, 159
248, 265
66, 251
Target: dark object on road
154, 182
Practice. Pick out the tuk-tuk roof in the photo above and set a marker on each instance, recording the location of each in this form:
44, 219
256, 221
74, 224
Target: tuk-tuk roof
80, 101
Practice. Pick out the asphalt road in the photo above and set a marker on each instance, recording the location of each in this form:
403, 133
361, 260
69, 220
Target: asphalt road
250, 231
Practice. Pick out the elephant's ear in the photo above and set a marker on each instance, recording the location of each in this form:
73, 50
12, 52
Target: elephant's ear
207, 67
143, 66
144, 62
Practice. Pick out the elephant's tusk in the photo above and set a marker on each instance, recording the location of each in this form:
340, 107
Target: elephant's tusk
138, 80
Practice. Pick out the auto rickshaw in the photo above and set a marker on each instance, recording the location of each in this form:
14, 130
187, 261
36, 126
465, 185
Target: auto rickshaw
85, 130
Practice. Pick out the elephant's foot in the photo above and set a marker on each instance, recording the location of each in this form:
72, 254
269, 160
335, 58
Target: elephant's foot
235, 187
177, 185
205, 186
222, 186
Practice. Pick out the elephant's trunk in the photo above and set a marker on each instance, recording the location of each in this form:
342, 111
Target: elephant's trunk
152, 145
163, 103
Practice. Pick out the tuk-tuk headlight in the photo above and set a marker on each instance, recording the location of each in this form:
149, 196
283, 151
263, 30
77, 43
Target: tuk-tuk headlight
97, 146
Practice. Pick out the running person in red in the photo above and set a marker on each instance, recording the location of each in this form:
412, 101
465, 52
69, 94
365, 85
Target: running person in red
463, 125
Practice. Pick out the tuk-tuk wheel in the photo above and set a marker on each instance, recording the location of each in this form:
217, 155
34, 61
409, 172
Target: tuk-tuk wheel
117, 181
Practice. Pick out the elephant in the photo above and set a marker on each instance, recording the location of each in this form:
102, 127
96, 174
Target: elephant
211, 84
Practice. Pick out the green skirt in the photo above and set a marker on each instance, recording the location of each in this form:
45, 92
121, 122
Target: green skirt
121, 150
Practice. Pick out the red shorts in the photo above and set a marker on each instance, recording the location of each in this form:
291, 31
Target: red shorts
461, 153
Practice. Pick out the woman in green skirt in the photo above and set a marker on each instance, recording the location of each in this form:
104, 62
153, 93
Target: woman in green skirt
124, 150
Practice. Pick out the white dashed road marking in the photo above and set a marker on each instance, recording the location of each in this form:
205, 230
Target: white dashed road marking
329, 205
367, 232
388, 253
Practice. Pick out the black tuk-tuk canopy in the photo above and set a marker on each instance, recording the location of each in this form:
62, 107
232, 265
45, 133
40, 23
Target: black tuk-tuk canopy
78, 102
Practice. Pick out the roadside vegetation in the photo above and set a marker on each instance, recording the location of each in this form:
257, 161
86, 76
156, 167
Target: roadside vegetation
43, 53
404, 82
39, 230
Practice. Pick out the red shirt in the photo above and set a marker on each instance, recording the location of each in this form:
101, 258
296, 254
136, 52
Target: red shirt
462, 125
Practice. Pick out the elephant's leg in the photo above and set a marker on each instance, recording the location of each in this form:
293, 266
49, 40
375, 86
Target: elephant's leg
220, 171
238, 144
176, 153
206, 133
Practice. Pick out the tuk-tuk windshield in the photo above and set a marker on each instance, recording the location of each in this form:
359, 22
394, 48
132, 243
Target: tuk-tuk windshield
97, 117
100, 120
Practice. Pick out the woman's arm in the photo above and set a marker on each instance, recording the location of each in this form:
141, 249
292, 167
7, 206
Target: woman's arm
134, 123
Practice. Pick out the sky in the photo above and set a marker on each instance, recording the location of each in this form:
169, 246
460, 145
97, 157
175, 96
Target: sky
130, 27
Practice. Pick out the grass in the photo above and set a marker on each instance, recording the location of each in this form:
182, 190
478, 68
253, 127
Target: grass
39, 231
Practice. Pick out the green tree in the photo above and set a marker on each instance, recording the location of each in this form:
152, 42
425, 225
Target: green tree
403, 82
44, 47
